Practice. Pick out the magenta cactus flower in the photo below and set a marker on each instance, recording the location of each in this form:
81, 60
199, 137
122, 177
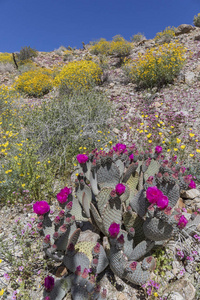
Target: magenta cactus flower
162, 202
63, 195
158, 149
192, 185
82, 158
182, 222
49, 283
41, 207
121, 148
131, 156
114, 230
120, 189
153, 194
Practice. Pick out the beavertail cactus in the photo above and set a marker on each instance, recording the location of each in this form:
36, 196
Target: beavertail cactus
126, 196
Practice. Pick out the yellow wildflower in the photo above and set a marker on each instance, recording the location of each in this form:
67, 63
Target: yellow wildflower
191, 134
182, 146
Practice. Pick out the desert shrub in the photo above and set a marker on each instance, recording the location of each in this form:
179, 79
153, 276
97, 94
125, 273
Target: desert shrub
6, 58
68, 55
157, 66
196, 20
35, 83
26, 54
101, 47
28, 66
78, 75
165, 36
61, 126
6, 67
136, 38
60, 50
120, 47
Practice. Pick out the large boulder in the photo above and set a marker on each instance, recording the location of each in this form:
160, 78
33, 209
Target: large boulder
184, 28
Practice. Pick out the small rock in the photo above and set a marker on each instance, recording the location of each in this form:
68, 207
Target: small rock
111, 84
190, 194
189, 77
180, 203
184, 290
176, 296
157, 104
116, 131
197, 38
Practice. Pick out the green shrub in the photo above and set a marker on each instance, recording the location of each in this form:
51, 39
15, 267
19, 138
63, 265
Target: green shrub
157, 66
120, 47
101, 47
196, 20
78, 75
26, 54
61, 126
35, 83
136, 38
165, 36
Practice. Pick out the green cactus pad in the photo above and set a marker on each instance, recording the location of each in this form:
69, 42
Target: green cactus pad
86, 192
142, 249
79, 259
62, 242
139, 203
120, 165
125, 196
130, 171
152, 169
93, 182
117, 262
61, 288
157, 230
131, 219
74, 237
172, 191
112, 214
108, 176
77, 211
48, 227
102, 198
86, 248
79, 293
132, 184
96, 218
128, 243
138, 276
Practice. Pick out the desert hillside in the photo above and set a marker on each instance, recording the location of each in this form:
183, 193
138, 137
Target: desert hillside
129, 111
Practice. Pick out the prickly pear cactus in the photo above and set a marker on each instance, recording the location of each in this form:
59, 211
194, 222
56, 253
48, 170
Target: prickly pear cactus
126, 196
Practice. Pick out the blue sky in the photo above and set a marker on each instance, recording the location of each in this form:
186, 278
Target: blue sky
47, 24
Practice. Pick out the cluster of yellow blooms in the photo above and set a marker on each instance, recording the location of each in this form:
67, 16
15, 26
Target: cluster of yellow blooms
118, 47
78, 75
35, 83
158, 65
6, 58
168, 31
